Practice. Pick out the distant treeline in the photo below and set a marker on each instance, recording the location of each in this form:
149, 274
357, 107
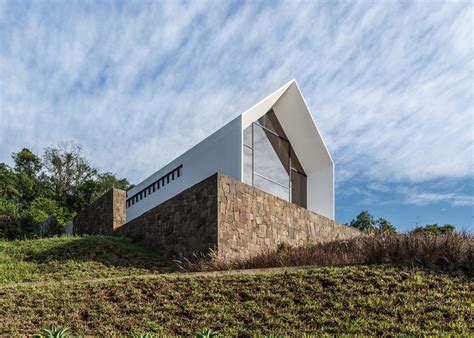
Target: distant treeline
367, 223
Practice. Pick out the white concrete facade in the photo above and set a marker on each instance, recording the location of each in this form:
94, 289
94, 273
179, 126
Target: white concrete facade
223, 152
219, 152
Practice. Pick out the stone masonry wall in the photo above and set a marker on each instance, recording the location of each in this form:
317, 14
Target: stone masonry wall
251, 221
181, 226
217, 213
103, 216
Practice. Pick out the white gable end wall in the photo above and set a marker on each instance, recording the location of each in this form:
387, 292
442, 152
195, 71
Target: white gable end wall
296, 120
321, 192
298, 123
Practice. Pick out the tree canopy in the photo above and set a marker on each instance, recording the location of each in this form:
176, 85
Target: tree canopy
366, 222
435, 229
57, 185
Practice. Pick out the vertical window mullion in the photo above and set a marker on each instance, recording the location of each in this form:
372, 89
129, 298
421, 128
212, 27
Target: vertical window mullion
289, 172
253, 155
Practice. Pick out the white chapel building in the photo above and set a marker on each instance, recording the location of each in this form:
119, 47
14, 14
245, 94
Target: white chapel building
274, 146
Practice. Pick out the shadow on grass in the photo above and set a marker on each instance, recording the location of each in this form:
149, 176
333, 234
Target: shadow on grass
110, 251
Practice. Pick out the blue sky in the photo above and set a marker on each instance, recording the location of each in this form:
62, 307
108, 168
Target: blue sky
389, 83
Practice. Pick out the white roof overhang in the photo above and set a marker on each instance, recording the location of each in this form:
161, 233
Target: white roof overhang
297, 121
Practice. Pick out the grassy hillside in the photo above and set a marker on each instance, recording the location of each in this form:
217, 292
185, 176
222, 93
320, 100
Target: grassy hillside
365, 300
73, 258
68, 289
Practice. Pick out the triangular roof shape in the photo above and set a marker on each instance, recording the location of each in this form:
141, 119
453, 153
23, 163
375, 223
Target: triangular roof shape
297, 121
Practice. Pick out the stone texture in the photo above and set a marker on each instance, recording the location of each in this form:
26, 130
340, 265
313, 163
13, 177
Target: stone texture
217, 213
251, 220
182, 225
103, 216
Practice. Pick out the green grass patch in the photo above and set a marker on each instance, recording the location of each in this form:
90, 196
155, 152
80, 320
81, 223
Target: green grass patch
75, 258
365, 300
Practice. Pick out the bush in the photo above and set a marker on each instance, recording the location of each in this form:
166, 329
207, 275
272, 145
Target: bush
447, 252
22, 226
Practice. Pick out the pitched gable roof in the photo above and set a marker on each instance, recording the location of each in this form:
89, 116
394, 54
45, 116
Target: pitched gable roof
295, 117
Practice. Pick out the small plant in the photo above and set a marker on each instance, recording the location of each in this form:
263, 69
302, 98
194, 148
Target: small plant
355, 325
56, 332
206, 333
143, 335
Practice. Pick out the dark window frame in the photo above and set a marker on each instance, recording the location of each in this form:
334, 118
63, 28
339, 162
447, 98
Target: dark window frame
294, 164
162, 181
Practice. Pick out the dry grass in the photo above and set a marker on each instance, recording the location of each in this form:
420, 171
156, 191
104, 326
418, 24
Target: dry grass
450, 252
453, 252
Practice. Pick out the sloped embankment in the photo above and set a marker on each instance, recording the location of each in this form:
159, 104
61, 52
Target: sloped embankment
75, 259
358, 299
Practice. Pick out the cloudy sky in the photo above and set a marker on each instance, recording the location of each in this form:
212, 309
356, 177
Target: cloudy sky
389, 83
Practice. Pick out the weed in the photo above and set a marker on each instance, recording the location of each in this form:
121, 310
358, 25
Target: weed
206, 333
56, 332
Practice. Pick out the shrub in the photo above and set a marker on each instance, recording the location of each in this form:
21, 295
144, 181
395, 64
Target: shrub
23, 226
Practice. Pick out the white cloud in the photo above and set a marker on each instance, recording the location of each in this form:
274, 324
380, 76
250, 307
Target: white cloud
390, 84
429, 198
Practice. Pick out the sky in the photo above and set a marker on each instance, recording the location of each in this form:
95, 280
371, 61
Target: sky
390, 85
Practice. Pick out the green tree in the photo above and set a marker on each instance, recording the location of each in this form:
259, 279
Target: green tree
66, 168
42, 208
364, 222
23, 226
385, 227
28, 181
447, 228
8, 186
90, 190
26, 161
54, 188
8, 206
107, 181
435, 229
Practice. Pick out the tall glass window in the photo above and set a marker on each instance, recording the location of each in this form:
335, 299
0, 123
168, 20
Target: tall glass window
269, 162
